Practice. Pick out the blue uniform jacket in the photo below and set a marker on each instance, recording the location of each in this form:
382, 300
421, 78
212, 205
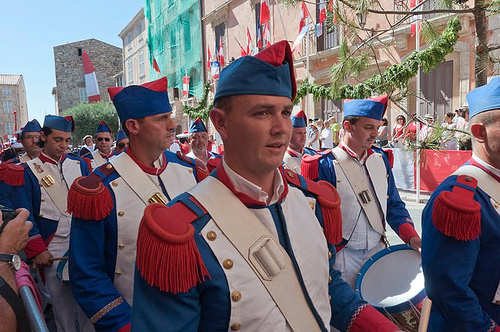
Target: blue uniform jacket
461, 277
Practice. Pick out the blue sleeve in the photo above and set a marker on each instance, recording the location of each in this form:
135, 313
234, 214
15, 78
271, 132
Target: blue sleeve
6, 192
448, 266
91, 266
326, 170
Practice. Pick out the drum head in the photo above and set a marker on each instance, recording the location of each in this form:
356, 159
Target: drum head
391, 279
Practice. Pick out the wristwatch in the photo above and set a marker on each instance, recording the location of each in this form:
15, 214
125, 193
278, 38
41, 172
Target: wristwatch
13, 260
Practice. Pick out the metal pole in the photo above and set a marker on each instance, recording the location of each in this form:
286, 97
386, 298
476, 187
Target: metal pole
417, 139
307, 71
37, 321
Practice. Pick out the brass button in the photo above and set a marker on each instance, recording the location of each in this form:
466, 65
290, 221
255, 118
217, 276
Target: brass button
43, 200
120, 213
235, 327
496, 205
311, 204
236, 296
118, 272
121, 245
190, 170
497, 301
387, 175
40, 215
109, 166
228, 264
339, 180
468, 179
290, 174
330, 254
211, 236
114, 183
78, 162
387, 196
329, 279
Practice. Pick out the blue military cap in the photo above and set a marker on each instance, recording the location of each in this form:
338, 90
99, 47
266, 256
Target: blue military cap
137, 101
373, 108
270, 72
299, 120
31, 126
485, 98
197, 126
66, 123
121, 135
102, 128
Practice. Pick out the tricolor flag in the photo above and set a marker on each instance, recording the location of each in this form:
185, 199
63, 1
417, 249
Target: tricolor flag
299, 38
322, 11
215, 70
249, 42
185, 86
221, 53
304, 14
90, 79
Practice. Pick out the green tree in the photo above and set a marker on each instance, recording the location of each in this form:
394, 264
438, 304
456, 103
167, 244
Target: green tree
88, 116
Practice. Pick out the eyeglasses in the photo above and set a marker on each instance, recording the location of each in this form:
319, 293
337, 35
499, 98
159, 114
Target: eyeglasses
107, 139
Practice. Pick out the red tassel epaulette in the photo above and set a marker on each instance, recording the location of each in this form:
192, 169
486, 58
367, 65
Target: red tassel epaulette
14, 175
329, 202
456, 213
309, 167
88, 197
3, 169
167, 255
390, 156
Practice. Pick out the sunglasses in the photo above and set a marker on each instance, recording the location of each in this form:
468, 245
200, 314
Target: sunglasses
121, 145
107, 139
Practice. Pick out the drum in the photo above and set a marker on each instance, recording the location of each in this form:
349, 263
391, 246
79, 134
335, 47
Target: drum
392, 281
62, 271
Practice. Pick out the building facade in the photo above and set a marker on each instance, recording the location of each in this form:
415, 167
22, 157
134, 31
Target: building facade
70, 79
13, 105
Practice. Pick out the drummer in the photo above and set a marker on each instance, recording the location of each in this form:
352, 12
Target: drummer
362, 174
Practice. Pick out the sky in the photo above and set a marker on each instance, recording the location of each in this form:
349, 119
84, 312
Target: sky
31, 28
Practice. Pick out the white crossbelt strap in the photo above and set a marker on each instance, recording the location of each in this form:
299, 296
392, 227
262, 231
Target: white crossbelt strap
484, 181
57, 193
98, 159
260, 249
137, 180
362, 189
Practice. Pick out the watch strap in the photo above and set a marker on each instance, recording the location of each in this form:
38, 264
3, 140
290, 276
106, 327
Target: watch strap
7, 258
16, 304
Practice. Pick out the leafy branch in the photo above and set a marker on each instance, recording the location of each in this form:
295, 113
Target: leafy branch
203, 109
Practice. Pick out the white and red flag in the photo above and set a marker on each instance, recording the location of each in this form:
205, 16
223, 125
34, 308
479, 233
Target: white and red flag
298, 40
209, 58
91, 86
242, 50
304, 14
264, 21
185, 86
249, 43
265, 16
415, 19
221, 53
322, 11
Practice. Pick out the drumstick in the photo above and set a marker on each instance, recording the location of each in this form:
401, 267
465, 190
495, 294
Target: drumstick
64, 258
424, 315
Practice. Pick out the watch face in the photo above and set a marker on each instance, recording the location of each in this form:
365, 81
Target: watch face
16, 262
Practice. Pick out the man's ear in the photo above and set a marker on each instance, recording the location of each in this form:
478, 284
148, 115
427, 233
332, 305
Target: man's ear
347, 126
478, 132
132, 125
42, 136
219, 120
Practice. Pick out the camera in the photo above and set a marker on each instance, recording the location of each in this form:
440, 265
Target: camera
7, 215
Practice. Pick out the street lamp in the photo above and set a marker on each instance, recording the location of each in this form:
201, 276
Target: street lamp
361, 19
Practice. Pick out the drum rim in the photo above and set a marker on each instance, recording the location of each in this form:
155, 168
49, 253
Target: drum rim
390, 309
60, 268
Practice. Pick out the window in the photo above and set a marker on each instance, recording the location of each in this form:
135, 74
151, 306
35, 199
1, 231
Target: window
6, 90
130, 72
7, 106
141, 63
329, 37
119, 81
9, 128
128, 42
79, 51
140, 30
331, 108
83, 95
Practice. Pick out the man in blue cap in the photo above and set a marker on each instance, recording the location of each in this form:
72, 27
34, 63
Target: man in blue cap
121, 142
296, 149
244, 249
29, 138
108, 205
198, 142
104, 139
461, 229
41, 185
362, 174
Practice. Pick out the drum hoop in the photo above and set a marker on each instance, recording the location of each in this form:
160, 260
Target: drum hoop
396, 308
60, 268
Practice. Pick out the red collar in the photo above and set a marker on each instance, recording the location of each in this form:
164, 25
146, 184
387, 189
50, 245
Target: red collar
293, 153
46, 159
472, 162
106, 156
244, 198
147, 169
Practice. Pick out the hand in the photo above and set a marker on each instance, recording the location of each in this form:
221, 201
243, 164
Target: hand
15, 234
416, 243
43, 259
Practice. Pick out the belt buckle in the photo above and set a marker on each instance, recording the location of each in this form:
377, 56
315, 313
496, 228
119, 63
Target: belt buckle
157, 198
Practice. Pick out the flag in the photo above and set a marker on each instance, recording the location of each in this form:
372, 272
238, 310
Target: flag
249, 42
209, 59
299, 38
221, 53
322, 11
90, 79
266, 35
185, 86
304, 14
155, 65
242, 50
318, 29
415, 19
264, 12
215, 70
332, 7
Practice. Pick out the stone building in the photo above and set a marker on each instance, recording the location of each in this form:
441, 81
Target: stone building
12, 99
70, 80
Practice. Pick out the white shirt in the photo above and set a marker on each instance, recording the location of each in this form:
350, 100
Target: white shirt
327, 138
